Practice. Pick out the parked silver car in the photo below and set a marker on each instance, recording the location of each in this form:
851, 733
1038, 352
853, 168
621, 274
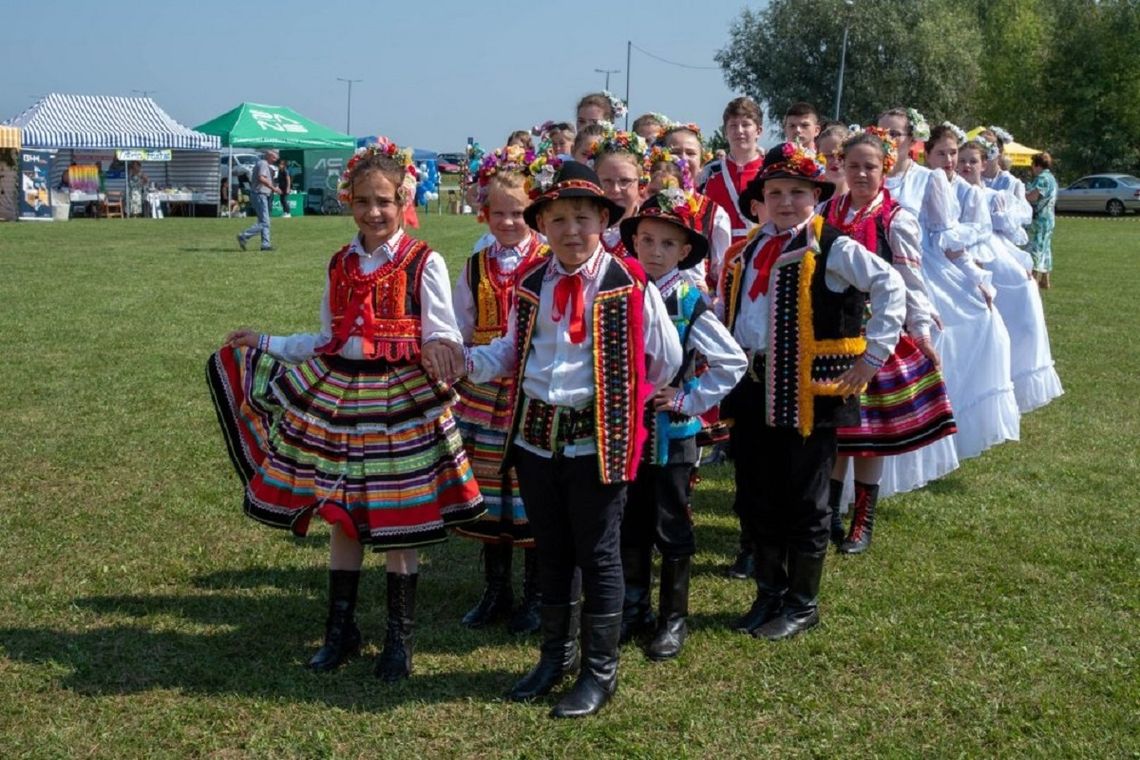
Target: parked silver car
1112, 194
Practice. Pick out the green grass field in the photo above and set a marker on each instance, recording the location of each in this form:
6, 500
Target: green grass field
141, 614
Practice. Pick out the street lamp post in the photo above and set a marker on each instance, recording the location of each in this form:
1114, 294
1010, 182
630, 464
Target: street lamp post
607, 72
843, 57
348, 118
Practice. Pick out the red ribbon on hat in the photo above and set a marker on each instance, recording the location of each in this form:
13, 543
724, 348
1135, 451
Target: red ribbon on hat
763, 263
568, 291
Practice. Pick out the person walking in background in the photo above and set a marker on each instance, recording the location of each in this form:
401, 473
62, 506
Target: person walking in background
285, 187
1041, 192
261, 194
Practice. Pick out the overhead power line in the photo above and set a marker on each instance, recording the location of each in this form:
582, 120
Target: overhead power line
673, 63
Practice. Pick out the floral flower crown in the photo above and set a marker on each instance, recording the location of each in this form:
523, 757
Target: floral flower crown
919, 129
1002, 134
990, 150
890, 146
796, 160
660, 154
958, 131
382, 147
614, 141
540, 174
512, 159
676, 126
616, 103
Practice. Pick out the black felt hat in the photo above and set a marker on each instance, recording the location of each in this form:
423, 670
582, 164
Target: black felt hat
571, 180
785, 161
674, 206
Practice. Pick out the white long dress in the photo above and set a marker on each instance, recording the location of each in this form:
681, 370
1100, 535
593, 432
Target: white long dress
912, 470
1035, 380
974, 343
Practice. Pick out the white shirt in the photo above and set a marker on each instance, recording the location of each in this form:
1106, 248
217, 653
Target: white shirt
508, 259
562, 373
436, 316
849, 264
904, 236
710, 338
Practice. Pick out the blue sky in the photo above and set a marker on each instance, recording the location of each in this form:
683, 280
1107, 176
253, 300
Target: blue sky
433, 71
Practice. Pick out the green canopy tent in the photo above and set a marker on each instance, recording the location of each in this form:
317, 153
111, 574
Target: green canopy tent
255, 125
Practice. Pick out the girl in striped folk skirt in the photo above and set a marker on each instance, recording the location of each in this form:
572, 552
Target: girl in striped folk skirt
905, 405
347, 424
482, 302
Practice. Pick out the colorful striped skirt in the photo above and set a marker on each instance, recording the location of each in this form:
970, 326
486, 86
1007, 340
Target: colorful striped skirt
905, 407
367, 446
484, 415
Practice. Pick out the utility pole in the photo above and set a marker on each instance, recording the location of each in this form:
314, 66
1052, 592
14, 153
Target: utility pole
607, 72
843, 57
348, 117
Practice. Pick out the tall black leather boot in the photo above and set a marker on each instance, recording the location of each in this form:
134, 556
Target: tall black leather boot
395, 661
527, 617
597, 680
497, 599
835, 495
342, 637
771, 585
800, 610
671, 626
637, 607
558, 655
863, 521
743, 567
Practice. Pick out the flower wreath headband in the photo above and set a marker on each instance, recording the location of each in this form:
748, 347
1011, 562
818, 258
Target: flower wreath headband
676, 126
919, 129
616, 103
619, 142
1002, 134
990, 150
958, 131
659, 154
510, 160
382, 147
890, 147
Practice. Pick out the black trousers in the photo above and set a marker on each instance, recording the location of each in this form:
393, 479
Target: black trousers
781, 477
657, 513
576, 520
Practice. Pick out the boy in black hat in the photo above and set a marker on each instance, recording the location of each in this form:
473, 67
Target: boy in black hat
794, 298
589, 342
664, 237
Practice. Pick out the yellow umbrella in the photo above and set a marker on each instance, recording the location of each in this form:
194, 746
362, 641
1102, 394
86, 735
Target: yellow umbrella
1019, 154
9, 137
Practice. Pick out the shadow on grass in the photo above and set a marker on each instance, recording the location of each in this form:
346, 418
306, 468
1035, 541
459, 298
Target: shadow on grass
249, 633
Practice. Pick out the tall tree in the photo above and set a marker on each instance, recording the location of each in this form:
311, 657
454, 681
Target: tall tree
1090, 96
916, 53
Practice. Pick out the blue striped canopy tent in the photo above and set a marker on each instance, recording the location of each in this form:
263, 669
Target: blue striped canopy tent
98, 122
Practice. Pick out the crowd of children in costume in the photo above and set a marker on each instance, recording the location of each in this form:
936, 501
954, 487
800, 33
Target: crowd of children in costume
827, 302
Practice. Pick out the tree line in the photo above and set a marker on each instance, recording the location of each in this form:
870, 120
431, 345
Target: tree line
1061, 75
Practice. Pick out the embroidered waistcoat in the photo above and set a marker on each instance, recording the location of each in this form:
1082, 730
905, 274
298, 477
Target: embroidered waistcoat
814, 334
492, 290
382, 308
621, 389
